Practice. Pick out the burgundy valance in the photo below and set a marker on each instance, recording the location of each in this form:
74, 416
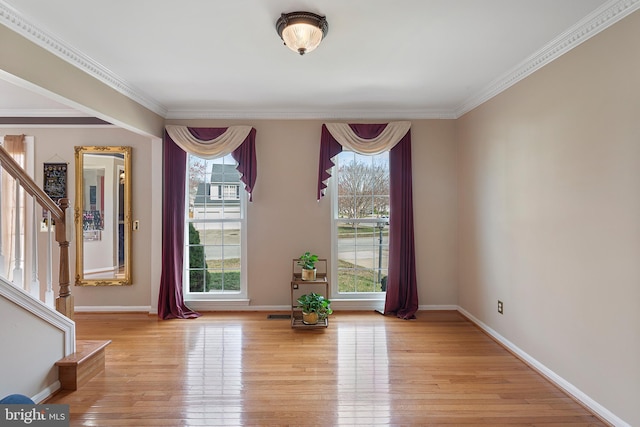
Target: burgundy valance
368, 139
211, 143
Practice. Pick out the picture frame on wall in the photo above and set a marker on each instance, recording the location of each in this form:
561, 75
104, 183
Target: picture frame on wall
55, 182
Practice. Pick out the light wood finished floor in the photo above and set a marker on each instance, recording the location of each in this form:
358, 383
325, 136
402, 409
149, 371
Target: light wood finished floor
365, 369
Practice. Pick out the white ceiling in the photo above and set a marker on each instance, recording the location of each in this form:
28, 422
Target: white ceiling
380, 59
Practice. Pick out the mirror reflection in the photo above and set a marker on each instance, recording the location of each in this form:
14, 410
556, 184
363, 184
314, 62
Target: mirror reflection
103, 215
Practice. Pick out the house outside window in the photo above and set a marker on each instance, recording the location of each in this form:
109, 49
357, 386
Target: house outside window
361, 225
223, 184
214, 249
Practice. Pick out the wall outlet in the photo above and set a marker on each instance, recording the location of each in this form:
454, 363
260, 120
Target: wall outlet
500, 307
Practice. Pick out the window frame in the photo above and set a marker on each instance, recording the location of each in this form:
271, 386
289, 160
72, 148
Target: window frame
216, 295
27, 259
335, 221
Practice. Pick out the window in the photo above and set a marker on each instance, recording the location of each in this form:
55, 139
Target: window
231, 192
224, 192
18, 260
213, 260
361, 224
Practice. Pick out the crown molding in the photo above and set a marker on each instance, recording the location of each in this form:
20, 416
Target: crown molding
13, 20
599, 20
602, 18
334, 114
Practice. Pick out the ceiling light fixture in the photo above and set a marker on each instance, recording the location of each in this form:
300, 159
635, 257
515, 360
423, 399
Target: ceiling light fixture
302, 32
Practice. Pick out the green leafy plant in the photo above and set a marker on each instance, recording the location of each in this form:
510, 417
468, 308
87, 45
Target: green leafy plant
308, 261
313, 302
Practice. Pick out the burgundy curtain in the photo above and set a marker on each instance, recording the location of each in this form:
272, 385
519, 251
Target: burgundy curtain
170, 300
402, 289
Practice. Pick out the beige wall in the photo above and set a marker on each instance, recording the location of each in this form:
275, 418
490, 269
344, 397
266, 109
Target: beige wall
56, 145
549, 208
285, 219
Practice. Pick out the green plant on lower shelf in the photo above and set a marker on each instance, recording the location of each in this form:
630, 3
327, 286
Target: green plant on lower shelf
313, 302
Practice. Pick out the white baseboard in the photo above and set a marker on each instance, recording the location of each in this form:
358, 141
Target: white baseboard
438, 307
565, 385
242, 305
232, 305
112, 308
46, 392
270, 308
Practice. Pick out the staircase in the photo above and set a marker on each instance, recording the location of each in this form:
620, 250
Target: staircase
40, 353
44, 355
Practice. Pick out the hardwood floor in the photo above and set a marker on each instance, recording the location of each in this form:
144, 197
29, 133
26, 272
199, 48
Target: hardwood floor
238, 369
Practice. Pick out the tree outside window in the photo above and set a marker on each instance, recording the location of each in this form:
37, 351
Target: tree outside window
362, 222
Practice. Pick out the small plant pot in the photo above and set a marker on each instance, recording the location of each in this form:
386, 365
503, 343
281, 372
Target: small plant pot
308, 274
310, 318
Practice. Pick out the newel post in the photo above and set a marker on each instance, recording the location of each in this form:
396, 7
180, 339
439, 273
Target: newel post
64, 302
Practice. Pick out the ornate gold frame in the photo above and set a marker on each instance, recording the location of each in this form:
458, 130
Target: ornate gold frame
123, 275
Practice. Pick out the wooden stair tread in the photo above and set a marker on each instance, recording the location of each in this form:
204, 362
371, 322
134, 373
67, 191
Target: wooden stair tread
85, 349
78, 368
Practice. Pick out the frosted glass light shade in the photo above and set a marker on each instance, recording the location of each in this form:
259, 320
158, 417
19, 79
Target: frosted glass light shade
302, 32
302, 38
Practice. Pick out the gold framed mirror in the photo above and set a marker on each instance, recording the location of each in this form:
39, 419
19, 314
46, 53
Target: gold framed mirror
103, 216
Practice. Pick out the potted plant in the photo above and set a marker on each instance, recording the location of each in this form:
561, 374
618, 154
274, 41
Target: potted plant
315, 307
308, 263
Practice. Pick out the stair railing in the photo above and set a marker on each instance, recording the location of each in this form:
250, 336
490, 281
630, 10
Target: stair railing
64, 301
